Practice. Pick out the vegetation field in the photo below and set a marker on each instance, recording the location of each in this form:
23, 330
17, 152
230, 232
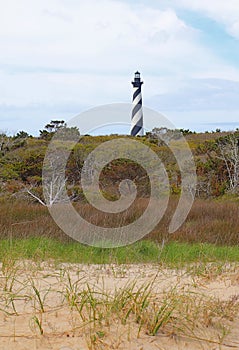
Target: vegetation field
210, 223
166, 291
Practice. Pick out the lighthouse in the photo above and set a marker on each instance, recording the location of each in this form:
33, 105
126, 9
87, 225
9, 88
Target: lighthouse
137, 111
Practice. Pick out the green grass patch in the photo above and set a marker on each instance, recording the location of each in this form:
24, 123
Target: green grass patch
145, 251
180, 253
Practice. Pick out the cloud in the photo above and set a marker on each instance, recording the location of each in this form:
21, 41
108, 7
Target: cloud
200, 95
224, 12
111, 34
105, 35
33, 117
88, 51
83, 53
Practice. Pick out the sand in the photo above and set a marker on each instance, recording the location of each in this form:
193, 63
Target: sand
63, 328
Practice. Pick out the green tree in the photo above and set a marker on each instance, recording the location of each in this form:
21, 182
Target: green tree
60, 126
21, 135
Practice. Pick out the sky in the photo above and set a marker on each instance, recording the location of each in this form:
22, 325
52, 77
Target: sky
59, 58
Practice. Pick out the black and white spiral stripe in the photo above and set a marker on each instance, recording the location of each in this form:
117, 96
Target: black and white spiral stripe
137, 113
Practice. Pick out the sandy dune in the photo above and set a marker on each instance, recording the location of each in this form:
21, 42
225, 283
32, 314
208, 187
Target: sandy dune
38, 298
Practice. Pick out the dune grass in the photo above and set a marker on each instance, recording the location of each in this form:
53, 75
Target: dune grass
95, 312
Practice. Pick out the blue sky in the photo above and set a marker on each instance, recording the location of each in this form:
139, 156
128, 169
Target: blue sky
62, 57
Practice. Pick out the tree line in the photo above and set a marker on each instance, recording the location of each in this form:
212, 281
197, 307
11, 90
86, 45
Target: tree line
21, 158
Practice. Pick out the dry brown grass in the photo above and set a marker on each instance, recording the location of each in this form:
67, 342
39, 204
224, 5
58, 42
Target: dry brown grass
208, 221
